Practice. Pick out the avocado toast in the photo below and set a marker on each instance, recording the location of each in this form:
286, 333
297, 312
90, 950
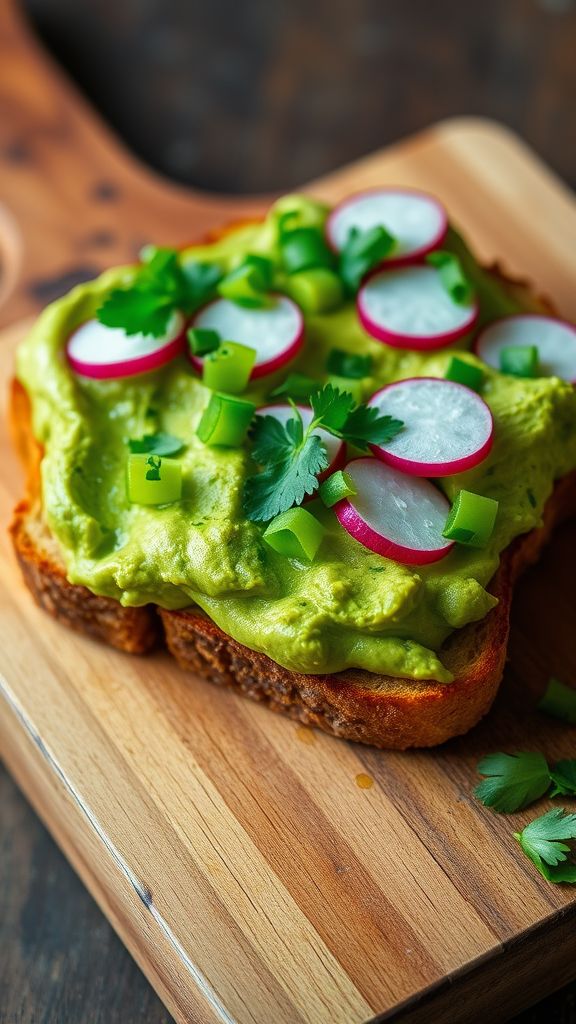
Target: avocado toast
361, 644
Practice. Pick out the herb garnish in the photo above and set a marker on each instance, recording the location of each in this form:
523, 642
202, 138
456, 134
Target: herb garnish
516, 780
541, 841
156, 444
513, 781
559, 701
293, 456
163, 284
362, 251
348, 364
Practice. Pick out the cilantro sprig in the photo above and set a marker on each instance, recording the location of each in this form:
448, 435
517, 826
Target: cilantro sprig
514, 781
292, 456
163, 284
543, 842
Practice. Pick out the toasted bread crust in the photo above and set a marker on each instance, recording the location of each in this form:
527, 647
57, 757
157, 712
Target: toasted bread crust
376, 709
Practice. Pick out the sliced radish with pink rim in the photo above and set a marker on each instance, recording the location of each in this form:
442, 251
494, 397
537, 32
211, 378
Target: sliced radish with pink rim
447, 427
410, 308
417, 221
335, 448
395, 515
554, 339
95, 350
275, 331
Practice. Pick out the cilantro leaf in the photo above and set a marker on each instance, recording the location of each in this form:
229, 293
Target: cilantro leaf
365, 426
513, 781
331, 407
563, 776
161, 286
285, 483
541, 841
362, 251
200, 281
157, 444
559, 701
137, 311
271, 441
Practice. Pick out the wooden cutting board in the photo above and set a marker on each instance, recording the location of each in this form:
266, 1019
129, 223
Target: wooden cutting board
240, 857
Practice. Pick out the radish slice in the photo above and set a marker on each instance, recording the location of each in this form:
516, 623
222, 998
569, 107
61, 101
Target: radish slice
554, 339
397, 516
448, 428
410, 308
335, 448
95, 350
276, 332
417, 221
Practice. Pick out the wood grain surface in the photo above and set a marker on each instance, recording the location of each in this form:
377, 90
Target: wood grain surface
238, 857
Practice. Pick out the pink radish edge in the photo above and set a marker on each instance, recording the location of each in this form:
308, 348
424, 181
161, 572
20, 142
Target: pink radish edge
476, 344
352, 522
395, 261
409, 341
271, 365
129, 367
435, 469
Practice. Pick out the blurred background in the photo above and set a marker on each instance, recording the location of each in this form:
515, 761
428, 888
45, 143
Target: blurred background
263, 95
242, 97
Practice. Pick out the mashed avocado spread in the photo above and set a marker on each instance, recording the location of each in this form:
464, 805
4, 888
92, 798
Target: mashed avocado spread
349, 607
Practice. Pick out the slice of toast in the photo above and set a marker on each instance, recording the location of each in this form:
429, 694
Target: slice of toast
377, 709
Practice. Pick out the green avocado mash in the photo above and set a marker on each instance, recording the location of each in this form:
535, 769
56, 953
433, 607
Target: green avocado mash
350, 607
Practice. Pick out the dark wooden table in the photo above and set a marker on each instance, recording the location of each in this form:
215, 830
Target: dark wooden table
248, 97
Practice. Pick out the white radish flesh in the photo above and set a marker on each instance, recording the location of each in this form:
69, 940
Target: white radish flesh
275, 331
554, 339
95, 350
416, 220
395, 515
410, 308
335, 448
447, 427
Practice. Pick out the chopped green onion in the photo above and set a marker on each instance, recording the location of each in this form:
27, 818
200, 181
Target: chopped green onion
353, 387
519, 360
363, 251
247, 284
202, 340
297, 385
462, 372
471, 519
153, 480
346, 364
295, 533
452, 276
156, 444
317, 290
304, 248
339, 485
225, 421
559, 701
229, 367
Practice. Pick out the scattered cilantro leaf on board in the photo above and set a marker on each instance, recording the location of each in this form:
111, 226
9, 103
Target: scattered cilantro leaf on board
563, 777
543, 842
559, 701
512, 781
